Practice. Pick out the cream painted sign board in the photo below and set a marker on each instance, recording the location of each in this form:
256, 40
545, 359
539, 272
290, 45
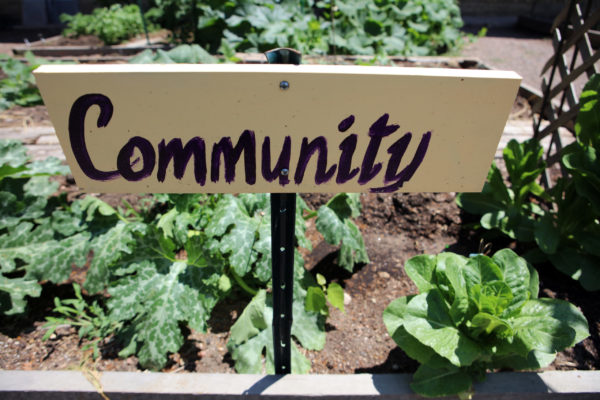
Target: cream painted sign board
276, 128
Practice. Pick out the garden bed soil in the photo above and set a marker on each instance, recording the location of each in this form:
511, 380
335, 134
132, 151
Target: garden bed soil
395, 227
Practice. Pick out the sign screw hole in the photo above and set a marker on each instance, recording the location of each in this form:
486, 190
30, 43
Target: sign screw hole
284, 85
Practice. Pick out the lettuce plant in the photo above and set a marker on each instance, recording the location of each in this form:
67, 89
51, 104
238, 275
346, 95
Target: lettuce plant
509, 208
477, 314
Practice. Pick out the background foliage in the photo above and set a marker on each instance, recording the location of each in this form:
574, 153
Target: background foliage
394, 27
112, 24
18, 84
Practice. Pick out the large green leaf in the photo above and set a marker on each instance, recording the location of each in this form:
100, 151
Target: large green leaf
478, 203
334, 223
547, 235
536, 315
156, 297
587, 125
252, 336
428, 320
579, 266
42, 256
516, 275
420, 269
238, 232
438, 382
14, 291
12, 154
534, 360
481, 269
393, 317
108, 248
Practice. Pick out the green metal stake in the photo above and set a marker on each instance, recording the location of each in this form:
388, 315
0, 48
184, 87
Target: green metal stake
283, 219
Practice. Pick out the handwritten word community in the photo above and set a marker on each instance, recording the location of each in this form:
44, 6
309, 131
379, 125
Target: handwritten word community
284, 170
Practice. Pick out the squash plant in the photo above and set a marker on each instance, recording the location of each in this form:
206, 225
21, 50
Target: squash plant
33, 247
164, 265
477, 314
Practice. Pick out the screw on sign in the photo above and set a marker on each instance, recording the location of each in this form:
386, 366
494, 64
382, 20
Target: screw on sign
298, 128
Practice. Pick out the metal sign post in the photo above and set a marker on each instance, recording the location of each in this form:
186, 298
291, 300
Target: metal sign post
283, 217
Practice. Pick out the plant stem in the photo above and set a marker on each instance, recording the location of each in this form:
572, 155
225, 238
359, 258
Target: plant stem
130, 207
243, 284
310, 215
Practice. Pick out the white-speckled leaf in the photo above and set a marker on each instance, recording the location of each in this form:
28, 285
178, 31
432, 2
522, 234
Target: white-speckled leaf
238, 230
45, 258
15, 210
340, 230
13, 153
252, 336
263, 269
17, 289
157, 297
108, 248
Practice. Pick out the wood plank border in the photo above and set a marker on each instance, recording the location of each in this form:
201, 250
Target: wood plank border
52, 385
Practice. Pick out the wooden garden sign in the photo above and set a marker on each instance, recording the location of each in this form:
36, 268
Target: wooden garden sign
276, 128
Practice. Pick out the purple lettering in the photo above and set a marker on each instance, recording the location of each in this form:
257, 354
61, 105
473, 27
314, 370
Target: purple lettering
347, 147
346, 124
174, 152
397, 152
377, 132
306, 152
283, 162
181, 157
77, 133
247, 144
124, 163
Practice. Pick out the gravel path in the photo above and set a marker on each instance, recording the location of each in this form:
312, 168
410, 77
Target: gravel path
514, 49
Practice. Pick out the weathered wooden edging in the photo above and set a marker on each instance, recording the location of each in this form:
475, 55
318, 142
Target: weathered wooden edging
62, 51
49, 385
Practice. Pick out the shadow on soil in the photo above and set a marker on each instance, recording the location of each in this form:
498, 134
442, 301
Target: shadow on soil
397, 362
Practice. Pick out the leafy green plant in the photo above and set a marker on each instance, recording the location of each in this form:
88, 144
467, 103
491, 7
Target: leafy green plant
317, 296
184, 53
112, 25
509, 208
564, 221
91, 320
477, 314
18, 84
394, 27
569, 234
32, 249
199, 250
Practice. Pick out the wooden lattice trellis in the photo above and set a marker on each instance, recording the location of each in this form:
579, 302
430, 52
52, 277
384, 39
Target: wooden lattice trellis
573, 56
